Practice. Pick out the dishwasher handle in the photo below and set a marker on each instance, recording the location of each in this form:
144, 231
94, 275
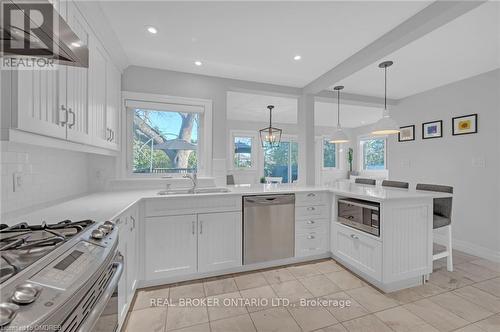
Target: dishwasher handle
269, 200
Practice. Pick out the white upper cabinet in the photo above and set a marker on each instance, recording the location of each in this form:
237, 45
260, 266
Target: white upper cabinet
77, 84
75, 104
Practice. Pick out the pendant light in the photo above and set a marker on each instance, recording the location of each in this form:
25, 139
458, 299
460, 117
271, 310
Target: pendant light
339, 136
270, 136
386, 125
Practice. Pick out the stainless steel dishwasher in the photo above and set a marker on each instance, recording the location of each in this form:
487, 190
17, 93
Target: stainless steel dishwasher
268, 227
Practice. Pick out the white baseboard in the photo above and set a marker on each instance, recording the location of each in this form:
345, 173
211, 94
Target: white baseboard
469, 248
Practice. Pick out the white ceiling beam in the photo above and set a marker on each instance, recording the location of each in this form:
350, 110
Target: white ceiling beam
428, 19
353, 99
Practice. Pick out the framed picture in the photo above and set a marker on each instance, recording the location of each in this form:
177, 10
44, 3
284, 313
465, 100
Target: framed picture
466, 124
407, 133
432, 129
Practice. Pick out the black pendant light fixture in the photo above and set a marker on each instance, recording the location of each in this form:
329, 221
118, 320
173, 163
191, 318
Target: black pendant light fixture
386, 125
270, 136
339, 136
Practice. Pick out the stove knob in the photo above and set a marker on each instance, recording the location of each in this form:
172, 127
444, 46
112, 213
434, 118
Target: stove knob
110, 224
97, 234
104, 229
7, 313
26, 293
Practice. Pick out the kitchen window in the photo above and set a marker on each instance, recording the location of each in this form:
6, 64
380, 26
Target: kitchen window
243, 150
282, 161
167, 135
164, 141
373, 153
329, 154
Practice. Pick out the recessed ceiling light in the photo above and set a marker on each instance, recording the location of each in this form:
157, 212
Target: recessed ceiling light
198, 63
76, 44
297, 57
152, 30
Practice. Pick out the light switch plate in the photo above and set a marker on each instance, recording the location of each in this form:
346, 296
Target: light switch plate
17, 181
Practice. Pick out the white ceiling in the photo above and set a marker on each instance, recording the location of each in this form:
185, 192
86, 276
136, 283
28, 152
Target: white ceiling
252, 107
253, 41
467, 46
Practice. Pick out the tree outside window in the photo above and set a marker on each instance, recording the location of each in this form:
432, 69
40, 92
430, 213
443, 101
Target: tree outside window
165, 142
329, 154
373, 154
242, 156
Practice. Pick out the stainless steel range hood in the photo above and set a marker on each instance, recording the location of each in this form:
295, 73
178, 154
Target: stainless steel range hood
47, 34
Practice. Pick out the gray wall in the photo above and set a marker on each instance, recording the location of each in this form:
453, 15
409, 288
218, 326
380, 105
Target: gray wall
149, 80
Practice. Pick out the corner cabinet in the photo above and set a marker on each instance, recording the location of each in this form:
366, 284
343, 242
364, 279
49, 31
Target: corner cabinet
70, 104
187, 244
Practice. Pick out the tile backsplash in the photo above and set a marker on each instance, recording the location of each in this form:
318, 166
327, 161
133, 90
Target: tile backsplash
46, 175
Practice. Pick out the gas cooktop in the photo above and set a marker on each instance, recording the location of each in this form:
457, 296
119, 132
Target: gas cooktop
21, 245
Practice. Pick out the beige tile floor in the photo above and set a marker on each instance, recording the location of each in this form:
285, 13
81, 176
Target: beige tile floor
465, 300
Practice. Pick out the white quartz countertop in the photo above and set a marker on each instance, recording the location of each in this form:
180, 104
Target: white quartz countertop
108, 205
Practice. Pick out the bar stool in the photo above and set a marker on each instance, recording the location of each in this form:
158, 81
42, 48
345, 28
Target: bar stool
442, 218
395, 184
365, 181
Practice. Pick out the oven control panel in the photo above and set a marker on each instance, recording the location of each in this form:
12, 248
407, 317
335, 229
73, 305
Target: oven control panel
65, 270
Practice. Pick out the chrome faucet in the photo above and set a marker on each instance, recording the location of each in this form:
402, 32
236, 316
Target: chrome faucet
194, 179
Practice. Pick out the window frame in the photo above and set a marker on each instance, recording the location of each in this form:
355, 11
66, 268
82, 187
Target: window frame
361, 152
255, 149
337, 145
149, 101
284, 138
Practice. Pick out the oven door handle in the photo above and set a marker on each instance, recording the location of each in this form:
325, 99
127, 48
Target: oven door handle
106, 295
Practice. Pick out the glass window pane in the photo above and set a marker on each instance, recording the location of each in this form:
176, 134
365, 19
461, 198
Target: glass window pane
329, 154
374, 154
282, 161
242, 152
165, 142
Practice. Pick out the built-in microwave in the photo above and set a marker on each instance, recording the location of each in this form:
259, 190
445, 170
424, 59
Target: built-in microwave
359, 214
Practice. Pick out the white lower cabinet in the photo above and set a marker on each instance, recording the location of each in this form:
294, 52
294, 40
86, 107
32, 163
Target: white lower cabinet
358, 249
219, 241
186, 244
170, 246
121, 223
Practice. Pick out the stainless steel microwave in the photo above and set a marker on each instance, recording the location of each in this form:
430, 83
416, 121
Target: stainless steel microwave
359, 214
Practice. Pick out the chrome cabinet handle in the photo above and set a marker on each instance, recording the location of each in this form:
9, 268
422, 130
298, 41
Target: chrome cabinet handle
108, 134
70, 111
65, 112
311, 195
354, 237
310, 237
112, 135
192, 227
311, 208
201, 226
310, 222
133, 222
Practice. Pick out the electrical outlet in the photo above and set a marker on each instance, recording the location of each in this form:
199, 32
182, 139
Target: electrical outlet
17, 180
479, 162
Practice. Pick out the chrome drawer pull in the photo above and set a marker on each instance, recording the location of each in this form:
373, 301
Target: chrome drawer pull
309, 222
354, 237
310, 237
311, 208
311, 195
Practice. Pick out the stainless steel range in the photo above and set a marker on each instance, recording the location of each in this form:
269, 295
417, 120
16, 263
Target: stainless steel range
59, 277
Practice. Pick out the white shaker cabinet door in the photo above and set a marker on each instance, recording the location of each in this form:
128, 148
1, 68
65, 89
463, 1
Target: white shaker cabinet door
113, 102
219, 241
97, 92
77, 83
123, 239
40, 106
170, 246
132, 254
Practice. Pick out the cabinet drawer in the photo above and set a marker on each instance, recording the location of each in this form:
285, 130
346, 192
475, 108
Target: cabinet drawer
358, 249
168, 206
311, 225
311, 211
310, 198
312, 243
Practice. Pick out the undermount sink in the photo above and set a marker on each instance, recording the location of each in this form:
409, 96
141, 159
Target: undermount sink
196, 191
